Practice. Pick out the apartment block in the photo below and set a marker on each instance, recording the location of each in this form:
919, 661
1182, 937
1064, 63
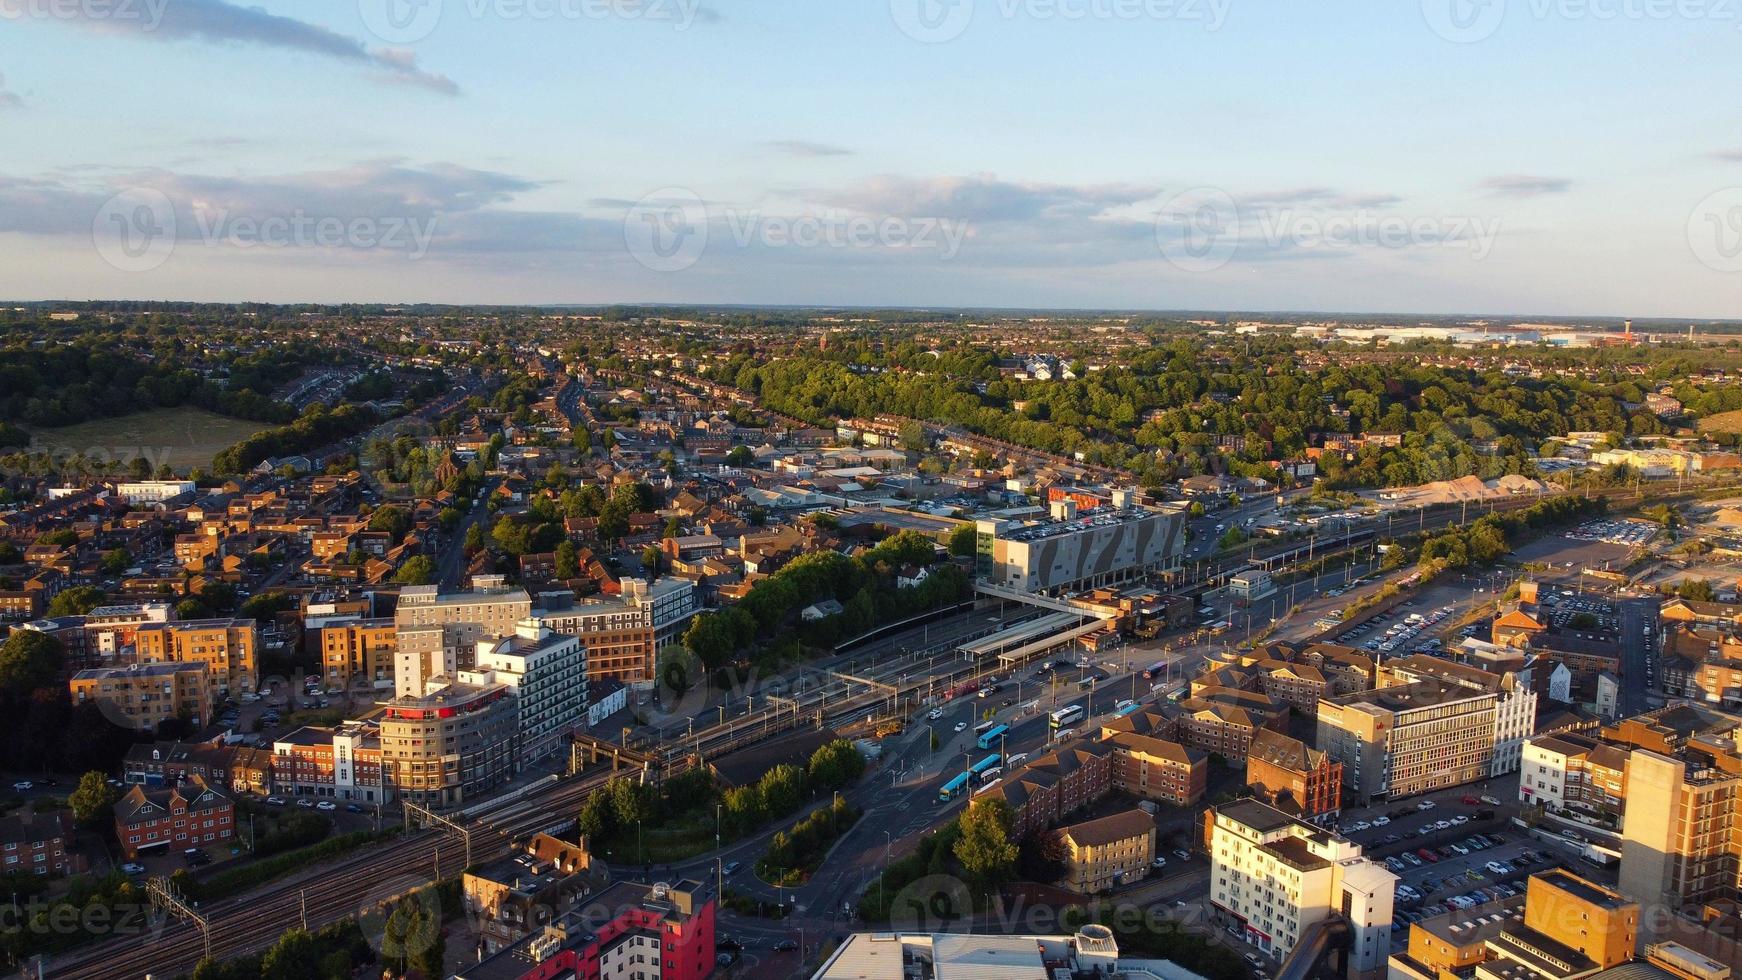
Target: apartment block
1055, 785
358, 651
1402, 741
624, 634
547, 674
1113, 850
1681, 842
628, 931
452, 743
191, 815
228, 648
1572, 772
1157, 769
144, 695
38, 842
342, 763
1273, 878
488, 612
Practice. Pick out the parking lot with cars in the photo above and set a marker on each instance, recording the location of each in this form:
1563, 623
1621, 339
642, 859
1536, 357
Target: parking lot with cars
1400, 630
1451, 849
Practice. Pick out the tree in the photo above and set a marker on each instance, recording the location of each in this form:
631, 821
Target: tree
115, 561
597, 819
650, 556
740, 456
393, 520
1697, 590
474, 539
93, 799
835, 765
782, 787
631, 802
985, 849
964, 541
76, 601
568, 561
418, 570
582, 440
295, 956
29, 660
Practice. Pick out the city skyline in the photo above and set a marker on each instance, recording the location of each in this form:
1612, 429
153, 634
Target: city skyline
1209, 154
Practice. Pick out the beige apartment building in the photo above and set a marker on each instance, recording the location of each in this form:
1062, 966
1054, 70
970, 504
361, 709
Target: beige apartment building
1112, 850
360, 650
1681, 842
438, 634
1415, 738
227, 648
143, 695
453, 743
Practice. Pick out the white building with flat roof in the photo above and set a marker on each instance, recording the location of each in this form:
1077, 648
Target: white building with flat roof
547, 672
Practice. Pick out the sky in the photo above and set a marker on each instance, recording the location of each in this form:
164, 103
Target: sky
1505, 157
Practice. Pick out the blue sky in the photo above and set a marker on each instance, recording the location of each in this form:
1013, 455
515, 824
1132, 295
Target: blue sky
1528, 156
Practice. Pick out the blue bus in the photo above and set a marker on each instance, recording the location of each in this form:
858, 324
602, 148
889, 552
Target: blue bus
991, 737
1128, 709
954, 788
985, 765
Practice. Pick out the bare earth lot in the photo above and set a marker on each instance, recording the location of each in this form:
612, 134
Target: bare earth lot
182, 437
1559, 551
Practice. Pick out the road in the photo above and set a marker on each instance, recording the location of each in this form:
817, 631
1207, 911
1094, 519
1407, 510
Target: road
1638, 653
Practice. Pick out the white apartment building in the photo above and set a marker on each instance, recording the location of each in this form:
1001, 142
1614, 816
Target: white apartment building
149, 492
1273, 877
547, 673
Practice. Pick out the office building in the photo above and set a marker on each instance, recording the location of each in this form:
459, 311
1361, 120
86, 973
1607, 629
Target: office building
1562, 928
1293, 777
1402, 741
488, 612
1514, 700
623, 634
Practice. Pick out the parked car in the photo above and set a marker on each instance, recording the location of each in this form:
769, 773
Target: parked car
274, 801
132, 869
327, 805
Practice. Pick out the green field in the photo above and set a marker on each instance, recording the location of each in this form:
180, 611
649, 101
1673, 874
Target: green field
182, 437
